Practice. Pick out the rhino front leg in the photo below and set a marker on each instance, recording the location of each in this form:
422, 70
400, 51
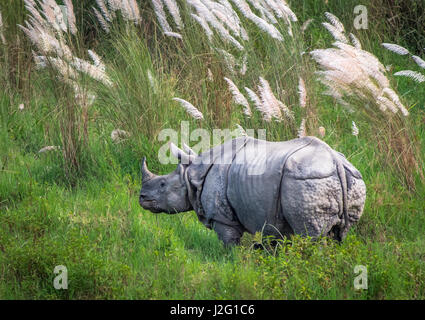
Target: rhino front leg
230, 235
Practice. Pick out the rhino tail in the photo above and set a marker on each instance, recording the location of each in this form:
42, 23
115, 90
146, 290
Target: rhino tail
343, 180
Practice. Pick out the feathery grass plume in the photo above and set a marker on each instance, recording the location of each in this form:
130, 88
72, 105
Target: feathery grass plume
40, 61
354, 129
134, 12
322, 132
160, 15
242, 132
265, 109
70, 16
84, 98
119, 135
195, 113
274, 7
152, 81
286, 10
267, 97
244, 66
50, 14
336, 33
48, 148
265, 11
354, 72
96, 60
282, 10
103, 23
355, 41
335, 22
204, 24
229, 59
396, 100
173, 9
306, 24
416, 76
94, 72
105, 12
262, 24
302, 92
63, 68
301, 130
204, 12
2, 38
173, 35
231, 25
384, 103
210, 76
419, 61
114, 5
226, 14
395, 48
238, 97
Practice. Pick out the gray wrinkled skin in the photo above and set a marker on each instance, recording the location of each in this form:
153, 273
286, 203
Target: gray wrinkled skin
300, 186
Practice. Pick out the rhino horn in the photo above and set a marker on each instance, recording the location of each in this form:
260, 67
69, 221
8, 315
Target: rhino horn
183, 157
146, 174
188, 150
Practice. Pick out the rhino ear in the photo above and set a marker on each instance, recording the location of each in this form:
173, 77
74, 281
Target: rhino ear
183, 157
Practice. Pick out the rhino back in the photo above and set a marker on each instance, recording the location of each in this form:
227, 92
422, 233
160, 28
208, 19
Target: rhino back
253, 182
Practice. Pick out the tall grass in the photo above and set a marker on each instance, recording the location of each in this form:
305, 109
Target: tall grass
114, 249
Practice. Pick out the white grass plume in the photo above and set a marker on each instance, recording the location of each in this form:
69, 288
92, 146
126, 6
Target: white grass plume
355, 41
301, 130
335, 22
160, 15
395, 48
2, 38
419, 61
238, 97
104, 10
190, 108
322, 132
265, 109
174, 11
354, 129
173, 35
302, 92
241, 130
103, 23
336, 33
71, 16
262, 24
350, 71
118, 135
48, 148
268, 99
416, 76
204, 24
306, 24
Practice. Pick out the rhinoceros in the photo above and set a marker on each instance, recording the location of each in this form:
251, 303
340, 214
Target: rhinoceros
301, 186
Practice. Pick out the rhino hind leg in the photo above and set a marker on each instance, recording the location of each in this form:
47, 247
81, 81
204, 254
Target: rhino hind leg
356, 199
230, 235
312, 206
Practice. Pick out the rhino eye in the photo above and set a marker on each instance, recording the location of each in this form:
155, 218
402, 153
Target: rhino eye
162, 184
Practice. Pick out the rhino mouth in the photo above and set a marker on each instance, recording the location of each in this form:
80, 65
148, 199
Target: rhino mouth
150, 205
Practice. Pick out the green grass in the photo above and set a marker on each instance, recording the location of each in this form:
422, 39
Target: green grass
113, 249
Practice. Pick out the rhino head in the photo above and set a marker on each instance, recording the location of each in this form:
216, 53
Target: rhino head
167, 193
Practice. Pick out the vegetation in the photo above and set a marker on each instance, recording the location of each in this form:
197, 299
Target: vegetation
69, 190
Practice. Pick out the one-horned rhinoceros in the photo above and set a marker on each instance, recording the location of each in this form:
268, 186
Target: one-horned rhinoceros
300, 186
